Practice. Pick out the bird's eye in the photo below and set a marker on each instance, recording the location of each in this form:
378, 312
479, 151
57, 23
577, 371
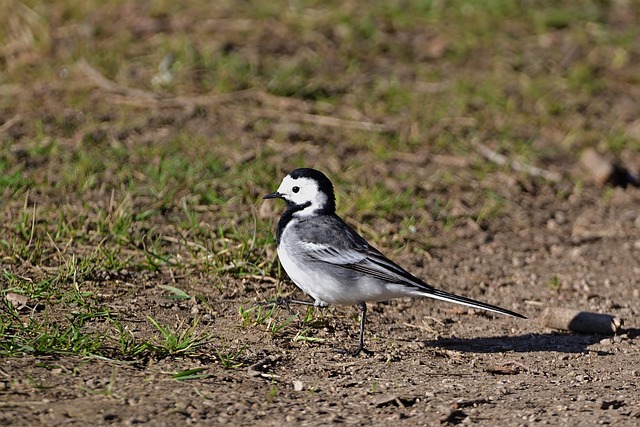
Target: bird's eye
295, 189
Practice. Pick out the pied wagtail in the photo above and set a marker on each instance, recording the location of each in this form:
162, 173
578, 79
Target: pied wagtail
332, 263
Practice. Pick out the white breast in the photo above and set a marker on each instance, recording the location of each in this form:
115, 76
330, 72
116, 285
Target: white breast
328, 286
306, 279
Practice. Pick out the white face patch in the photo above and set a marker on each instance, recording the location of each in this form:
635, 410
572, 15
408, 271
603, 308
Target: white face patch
301, 191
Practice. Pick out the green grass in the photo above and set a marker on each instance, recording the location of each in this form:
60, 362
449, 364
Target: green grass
95, 183
305, 336
184, 339
230, 359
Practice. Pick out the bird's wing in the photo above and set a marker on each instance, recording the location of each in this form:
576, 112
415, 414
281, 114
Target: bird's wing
329, 239
352, 252
364, 259
333, 255
377, 265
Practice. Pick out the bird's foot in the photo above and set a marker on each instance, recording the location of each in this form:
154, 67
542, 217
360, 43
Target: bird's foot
280, 301
284, 302
355, 352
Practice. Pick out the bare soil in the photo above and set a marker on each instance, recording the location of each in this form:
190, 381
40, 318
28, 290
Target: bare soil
555, 244
432, 363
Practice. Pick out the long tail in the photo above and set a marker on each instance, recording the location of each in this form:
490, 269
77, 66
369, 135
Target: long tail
379, 266
449, 297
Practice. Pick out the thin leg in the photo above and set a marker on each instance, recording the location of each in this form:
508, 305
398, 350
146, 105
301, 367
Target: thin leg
363, 316
295, 301
284, 302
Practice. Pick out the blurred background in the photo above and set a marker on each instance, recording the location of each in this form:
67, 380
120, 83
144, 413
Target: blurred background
491, 145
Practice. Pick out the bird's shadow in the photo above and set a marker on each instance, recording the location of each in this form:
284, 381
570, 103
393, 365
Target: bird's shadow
547, 342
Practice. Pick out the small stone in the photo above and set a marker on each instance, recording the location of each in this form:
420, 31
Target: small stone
111, 417
16, 300
297, 385
609, 404
560, 217
600, 168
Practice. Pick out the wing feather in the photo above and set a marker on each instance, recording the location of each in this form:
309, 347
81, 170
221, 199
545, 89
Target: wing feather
364, 259
332, 241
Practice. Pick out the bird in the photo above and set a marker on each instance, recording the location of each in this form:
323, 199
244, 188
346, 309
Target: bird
332, 263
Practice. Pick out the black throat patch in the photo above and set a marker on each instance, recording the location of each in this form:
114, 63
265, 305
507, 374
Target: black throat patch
287, 216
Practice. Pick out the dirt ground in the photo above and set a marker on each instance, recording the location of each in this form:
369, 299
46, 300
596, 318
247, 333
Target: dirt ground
432, 363
554, 243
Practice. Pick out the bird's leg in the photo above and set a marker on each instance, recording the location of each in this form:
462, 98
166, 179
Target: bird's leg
363, 316
285, 302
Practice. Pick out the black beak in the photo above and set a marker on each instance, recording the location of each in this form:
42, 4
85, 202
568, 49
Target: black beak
275, 195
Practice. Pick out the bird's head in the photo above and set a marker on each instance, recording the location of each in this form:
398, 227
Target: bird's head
307, 191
